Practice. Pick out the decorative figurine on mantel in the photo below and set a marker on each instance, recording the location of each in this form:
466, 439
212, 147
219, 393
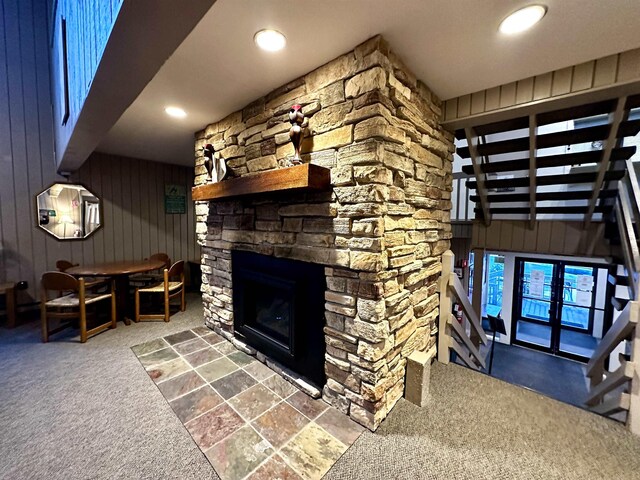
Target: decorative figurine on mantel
216, 166
298, 123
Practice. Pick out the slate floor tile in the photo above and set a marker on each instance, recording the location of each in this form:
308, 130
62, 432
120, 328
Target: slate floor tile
180, 337
241, 359
178, 386
202, 331
149, 347
280, 424
259, 371
217, 369
340, 426
274, 468
196, 403
214, 426
190, 346
167, 370
201, 357
313, 452
280, 386
225, 348
213, 339
254, 401
238, 454
307, 405
233, 384
159, 356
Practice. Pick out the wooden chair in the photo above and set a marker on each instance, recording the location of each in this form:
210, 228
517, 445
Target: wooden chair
71, 305
97, 282
147, 278
168, 288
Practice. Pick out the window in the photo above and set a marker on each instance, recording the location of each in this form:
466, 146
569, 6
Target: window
64, 66
494, 274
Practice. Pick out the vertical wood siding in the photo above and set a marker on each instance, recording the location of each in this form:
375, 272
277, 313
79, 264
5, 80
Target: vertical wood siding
89, 24
547, 237
132, 191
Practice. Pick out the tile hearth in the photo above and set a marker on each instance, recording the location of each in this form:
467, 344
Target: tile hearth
247, 420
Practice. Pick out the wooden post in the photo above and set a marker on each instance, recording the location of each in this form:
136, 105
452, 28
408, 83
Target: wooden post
478, 266
445, 307
633, 418
533, 132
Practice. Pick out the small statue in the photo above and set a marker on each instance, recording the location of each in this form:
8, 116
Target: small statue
216, 166
298, 123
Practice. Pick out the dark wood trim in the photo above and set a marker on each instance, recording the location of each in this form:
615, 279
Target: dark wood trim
303, 177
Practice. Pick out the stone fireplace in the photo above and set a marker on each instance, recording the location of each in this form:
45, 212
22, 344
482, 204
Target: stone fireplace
377, 233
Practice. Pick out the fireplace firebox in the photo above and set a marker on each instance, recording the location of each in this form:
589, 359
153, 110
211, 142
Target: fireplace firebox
279, 310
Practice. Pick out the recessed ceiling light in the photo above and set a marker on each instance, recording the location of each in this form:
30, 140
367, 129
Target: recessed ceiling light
175, 112
270, 40
522, 19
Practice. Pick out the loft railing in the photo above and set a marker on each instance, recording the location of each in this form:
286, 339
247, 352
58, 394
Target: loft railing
462, 209
463, 338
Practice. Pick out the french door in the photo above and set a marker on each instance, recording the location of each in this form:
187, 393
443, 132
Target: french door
555, 307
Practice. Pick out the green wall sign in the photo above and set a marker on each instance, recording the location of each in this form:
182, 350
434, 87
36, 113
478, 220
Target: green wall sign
175, 199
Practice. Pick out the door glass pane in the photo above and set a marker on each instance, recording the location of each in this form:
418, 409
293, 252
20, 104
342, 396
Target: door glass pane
536, 290
495, 282
534, 333
576, 317
537, 280
578, 343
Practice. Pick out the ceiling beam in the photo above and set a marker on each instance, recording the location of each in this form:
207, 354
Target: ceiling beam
472, 142
615, 119
533, 132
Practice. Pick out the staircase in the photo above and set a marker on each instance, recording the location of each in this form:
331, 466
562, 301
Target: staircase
598, 183
616, 390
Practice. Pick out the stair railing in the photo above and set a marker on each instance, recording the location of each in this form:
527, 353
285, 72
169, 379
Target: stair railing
612, 392
463, 338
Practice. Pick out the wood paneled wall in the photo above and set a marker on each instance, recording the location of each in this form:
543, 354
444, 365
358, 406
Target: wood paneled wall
613, 70
135, 225
88, 25
547, 237
131, 190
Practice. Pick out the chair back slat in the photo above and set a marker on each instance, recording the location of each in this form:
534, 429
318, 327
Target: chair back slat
59, 281
163, 257
64, 265
176, 269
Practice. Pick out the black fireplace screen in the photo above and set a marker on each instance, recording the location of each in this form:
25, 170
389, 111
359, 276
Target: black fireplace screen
279, 310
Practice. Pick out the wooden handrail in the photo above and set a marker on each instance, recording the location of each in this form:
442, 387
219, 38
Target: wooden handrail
620, 330
456, 287
626, 212
634, 186
459, 329
623, 374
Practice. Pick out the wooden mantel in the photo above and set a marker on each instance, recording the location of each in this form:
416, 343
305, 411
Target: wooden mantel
300, 177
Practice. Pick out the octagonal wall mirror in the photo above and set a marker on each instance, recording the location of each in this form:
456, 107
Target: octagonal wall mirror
68, 211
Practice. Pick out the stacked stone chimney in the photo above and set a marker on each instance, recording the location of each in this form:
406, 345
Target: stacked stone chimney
379, 230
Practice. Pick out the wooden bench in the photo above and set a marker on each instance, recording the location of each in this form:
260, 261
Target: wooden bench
9, 291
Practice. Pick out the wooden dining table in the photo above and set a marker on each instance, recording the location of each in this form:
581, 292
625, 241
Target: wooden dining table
120, 272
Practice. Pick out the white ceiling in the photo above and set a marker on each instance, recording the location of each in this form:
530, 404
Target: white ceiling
452, 45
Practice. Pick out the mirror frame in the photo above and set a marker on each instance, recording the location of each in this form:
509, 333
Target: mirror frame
70, 239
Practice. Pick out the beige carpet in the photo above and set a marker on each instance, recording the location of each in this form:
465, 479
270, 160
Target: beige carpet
71, 411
